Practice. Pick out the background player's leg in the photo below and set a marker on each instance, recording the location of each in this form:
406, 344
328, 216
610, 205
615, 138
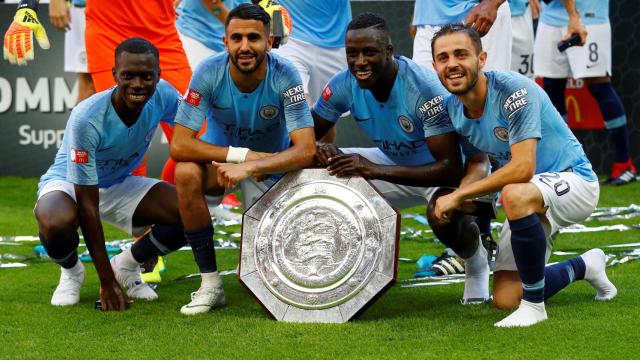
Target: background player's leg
56, 213
555, 89
615, 120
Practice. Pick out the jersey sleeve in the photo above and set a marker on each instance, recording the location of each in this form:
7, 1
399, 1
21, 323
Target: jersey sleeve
336, 98
195, 104
520, 105
296, 110
170, 101
434, 115
84, 139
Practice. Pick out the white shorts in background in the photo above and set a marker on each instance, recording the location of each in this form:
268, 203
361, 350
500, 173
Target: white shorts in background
569, 199
118, 202
591, 60
195, 50
497, 42
75, 52
522, 46
400, 196
315, 64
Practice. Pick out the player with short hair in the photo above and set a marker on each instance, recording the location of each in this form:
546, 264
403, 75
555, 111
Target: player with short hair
394, 100
510, 118
491, 18
258, 124
106, 137
591, 62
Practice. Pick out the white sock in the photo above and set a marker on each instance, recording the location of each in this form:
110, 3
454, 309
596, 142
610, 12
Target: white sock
596, 275
211, 279
528, 313
476, 277
127, 260
75, 270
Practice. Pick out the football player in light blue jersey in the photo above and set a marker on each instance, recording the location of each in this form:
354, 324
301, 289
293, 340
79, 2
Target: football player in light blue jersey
200, 24
591, 63
106, 137
545, 178
393, 100
258, 124
491, 18
316, 44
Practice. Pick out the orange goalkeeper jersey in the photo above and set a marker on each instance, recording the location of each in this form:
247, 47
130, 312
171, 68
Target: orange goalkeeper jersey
109, 22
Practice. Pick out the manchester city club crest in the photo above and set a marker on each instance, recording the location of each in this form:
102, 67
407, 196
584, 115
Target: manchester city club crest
269, 112
406, 124
501, 133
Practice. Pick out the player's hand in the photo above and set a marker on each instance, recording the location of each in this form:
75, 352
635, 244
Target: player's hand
59, 15
326, 151
447, 203
346, 165
482, 16
18, 40
214, 6
230, 174
535, 8
270, 6
576, 26
112, 297
257, 155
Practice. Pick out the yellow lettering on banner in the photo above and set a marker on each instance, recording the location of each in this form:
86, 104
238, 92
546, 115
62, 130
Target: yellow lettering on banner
576, 107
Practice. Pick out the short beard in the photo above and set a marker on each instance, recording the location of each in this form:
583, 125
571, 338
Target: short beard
249, 70
472, 84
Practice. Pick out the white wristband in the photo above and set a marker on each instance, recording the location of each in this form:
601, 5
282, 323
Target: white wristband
237, 154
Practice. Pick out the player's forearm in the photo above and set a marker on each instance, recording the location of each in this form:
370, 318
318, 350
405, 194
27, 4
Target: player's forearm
512, 173
185, 147
89, 217
439, 173
572, 10
477, 169
496, 3
299, 156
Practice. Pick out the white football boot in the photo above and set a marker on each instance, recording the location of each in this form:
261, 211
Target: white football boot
68, 290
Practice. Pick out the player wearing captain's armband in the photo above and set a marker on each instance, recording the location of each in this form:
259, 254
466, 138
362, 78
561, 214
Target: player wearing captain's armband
258, 126
395, 101
510, 118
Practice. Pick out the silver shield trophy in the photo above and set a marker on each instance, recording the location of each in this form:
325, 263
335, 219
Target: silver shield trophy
316, 248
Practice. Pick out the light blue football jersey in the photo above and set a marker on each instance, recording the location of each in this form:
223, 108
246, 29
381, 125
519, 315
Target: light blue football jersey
397, 125
260, 120
518, 7
591, 12
517, 109
441, 12
322, 23
98, 148
196, 22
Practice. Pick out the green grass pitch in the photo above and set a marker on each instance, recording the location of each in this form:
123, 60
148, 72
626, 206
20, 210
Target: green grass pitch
424, 322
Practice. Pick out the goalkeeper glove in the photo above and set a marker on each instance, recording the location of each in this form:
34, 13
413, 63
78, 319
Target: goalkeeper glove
281, 26
18, 40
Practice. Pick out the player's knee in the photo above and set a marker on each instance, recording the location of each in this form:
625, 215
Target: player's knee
458, 231
188, 174
507, 290
57, 225
513, 196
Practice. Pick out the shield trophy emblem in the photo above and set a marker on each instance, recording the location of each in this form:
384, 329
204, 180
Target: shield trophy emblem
316, 248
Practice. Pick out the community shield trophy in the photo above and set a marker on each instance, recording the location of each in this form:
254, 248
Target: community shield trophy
317, 248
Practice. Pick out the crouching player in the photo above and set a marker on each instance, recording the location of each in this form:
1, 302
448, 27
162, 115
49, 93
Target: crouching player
254, 106
545, 178
106, 138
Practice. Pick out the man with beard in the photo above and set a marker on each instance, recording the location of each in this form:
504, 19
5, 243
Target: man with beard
105, 140
258, 125
510, 118
394, 100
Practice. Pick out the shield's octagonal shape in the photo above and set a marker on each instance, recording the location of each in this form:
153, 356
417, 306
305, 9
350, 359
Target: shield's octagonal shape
316, 248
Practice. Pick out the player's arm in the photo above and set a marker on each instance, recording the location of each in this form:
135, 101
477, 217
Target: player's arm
298, 156
575, 25
18, 40
111, 295
482, 16
520, 169
59, 15
446, 170
325, 151
476, 168
217, 8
